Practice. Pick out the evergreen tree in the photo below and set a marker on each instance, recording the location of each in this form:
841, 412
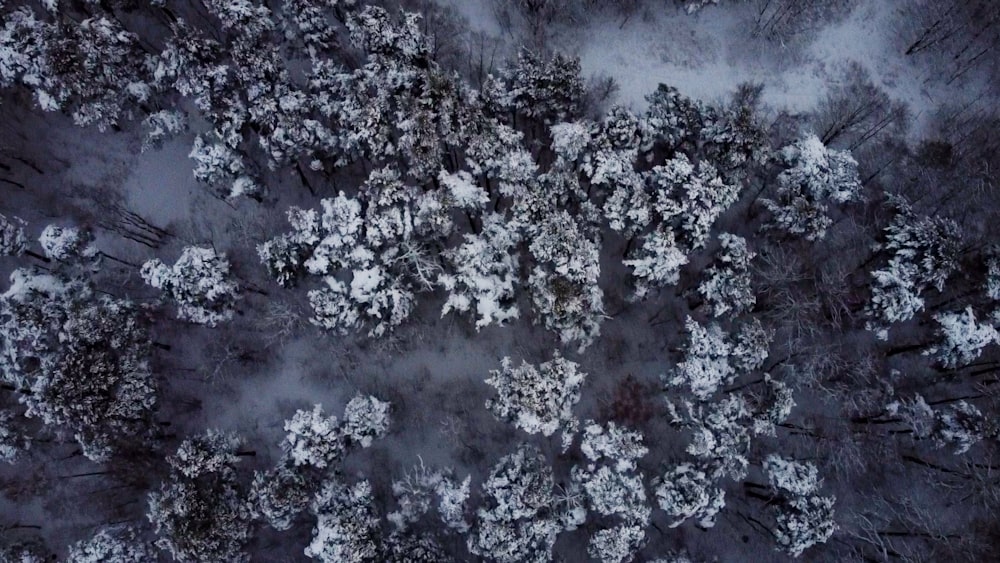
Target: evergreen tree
347, 529
516, 522
80, 361
202, 512
538, 400
199, 282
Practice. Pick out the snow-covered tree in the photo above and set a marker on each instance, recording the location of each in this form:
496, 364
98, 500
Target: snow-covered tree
347, 528
735, 137
81, 361
388, 41
570, 141
549, 90
618, 544
770, 405
516, 523
960, 425
813, 175
316, 245
924, 253
538, 400
370, 251
803, 519
498, 152
24, 61
224, 169
721, 433
674, 120
706, 362
68, 244
792, 477
805, 522
563, 283
202, 513
458, 191
313, 439
91, 69
993, 278
713, 358
161, 126
413, 547
421, 489
365, 419
657, 262
726, 286
690, 197
613, 489
30, 550
962, 339
117, 544
279, 495
312, 23
482, 274
199, 282
13, 241
688, 491
613, 444
241, 16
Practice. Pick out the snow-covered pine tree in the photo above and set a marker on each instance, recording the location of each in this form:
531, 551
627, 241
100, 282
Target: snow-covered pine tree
713, 358
726, 285
804, 522
199, 283
13, 241
224, 169
52, 331
313, 439
68, 244
961, 338
114, 544
803, 519
690, 198
924, 253
515, 523
960, 425
563, 282
92, 70
202, 512
689, 491
548, 90
813, 175
657, 262
347, 527
721, 433
614, 489
538, 400
365, 419
675, 121
280, 494
482, 274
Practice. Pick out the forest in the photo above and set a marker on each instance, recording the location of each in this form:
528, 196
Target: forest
667, 281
